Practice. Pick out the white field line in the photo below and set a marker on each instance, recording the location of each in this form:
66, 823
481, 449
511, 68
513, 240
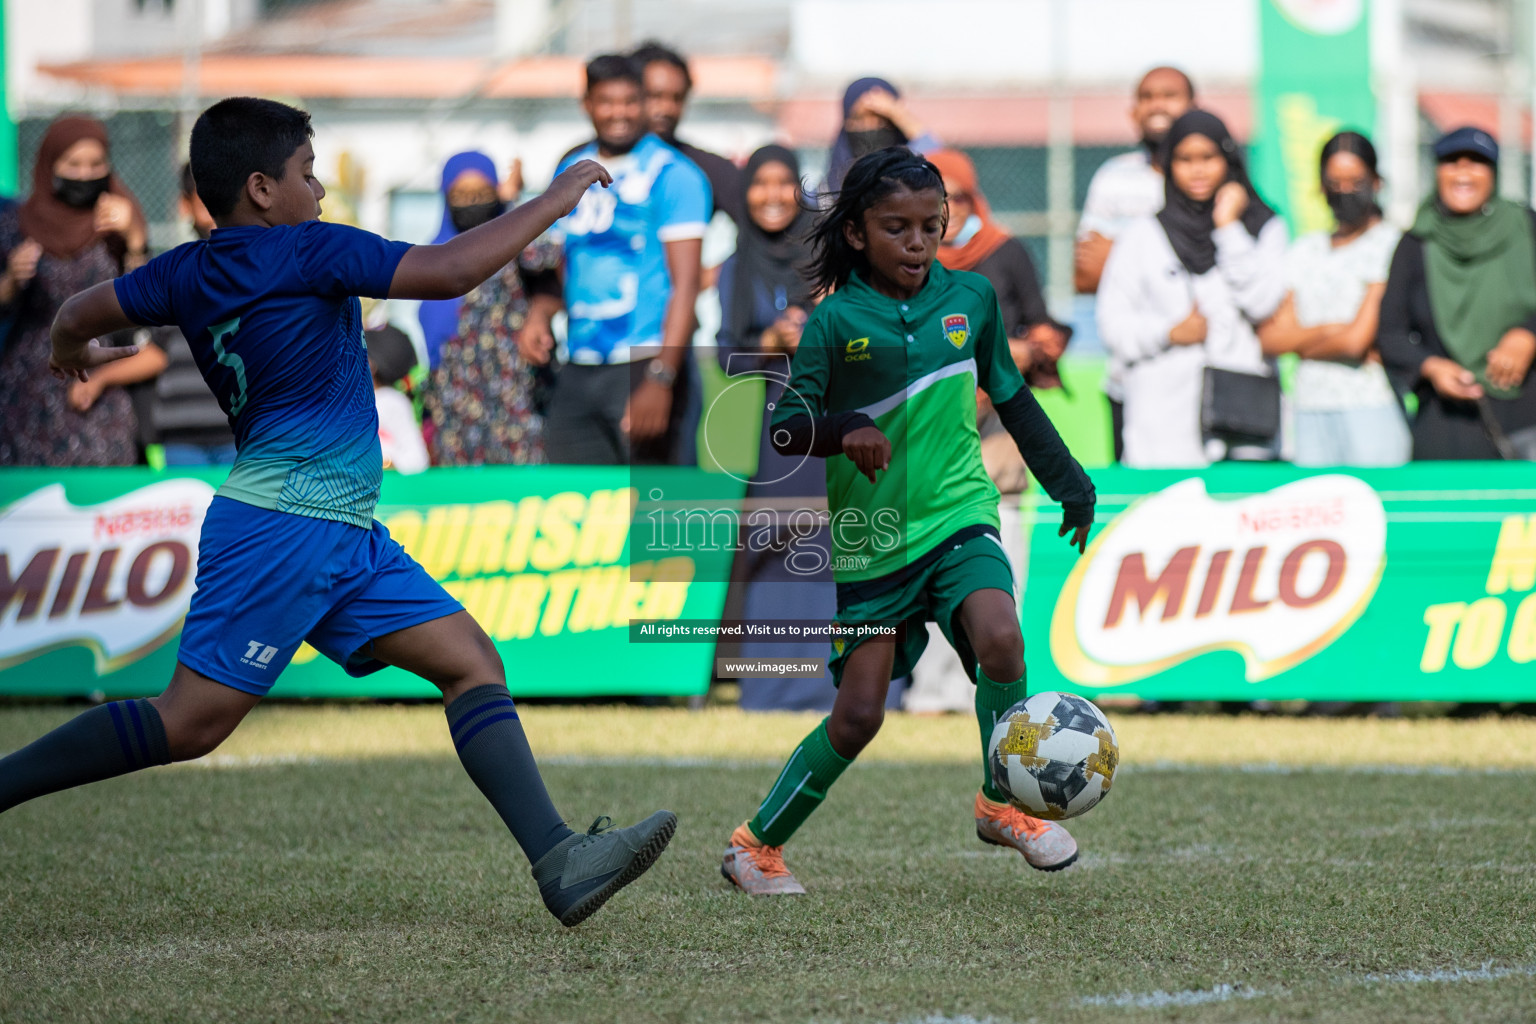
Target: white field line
254, 760
1277, 768
1188, 997
645, 761
1487, 972
1225, 993
600, 761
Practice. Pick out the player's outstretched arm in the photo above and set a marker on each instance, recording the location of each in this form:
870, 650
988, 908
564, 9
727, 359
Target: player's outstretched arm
82, 319
467, 260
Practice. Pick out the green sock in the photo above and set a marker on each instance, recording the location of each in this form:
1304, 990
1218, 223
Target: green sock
992, 699
800, 788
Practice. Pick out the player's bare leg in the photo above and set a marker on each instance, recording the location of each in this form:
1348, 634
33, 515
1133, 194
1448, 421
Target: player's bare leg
859, 708
990, 621
754, 857
199, 713
576, 872
191, 718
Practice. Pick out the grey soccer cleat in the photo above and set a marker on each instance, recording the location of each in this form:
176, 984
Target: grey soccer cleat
586, 868
1046, 845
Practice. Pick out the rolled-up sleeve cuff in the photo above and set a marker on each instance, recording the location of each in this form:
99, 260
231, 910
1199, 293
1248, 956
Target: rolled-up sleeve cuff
682, 232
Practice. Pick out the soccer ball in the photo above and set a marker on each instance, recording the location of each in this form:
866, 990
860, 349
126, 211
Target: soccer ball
1054, 755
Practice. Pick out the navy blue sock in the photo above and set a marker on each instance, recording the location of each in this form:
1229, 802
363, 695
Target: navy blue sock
107, 741
489, 737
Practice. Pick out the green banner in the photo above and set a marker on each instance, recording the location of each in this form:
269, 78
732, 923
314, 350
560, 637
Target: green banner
97, 568
1265, 581
1233, 583
9, 180
1314, 79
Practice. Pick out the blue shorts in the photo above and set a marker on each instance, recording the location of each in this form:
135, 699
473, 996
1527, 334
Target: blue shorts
268, 581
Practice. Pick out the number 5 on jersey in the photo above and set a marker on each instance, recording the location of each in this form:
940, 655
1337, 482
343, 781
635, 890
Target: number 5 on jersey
229, 359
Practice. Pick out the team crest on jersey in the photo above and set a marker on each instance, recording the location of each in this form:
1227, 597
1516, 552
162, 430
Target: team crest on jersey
957, 328
857, 351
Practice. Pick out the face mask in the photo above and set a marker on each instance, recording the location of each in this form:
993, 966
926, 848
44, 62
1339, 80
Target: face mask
473, 215
82, 195
864, 143
1351, 207
968, 230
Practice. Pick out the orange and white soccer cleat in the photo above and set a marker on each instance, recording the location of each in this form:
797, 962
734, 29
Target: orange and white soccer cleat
756, 868
1046, 845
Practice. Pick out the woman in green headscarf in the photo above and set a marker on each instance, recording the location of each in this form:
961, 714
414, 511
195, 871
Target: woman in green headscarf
1458, 321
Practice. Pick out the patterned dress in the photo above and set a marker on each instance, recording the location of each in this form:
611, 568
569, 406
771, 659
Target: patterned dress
37, 425
484, 399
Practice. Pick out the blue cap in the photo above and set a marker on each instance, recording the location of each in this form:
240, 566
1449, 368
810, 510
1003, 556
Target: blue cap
1469, 141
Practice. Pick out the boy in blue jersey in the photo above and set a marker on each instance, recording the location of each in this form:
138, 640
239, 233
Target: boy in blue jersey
631, 281
289, 549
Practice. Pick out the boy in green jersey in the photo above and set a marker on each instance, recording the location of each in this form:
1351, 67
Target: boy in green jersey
883, 388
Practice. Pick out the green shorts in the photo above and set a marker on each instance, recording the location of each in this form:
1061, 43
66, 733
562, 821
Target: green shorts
933, 594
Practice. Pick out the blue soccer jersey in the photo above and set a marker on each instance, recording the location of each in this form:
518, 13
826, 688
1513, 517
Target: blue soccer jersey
275, 326
616, 279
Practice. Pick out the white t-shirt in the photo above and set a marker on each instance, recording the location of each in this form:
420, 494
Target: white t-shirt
399, 434
1124, 189
1146, 292
1328, 284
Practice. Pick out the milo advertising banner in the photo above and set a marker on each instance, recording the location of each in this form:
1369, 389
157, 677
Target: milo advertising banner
97, 568
1248, 582
1314, 79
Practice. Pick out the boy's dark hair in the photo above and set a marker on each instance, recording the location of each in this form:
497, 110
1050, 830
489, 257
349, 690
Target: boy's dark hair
237, 137
612, 67
188, 183
870, 180
652, 52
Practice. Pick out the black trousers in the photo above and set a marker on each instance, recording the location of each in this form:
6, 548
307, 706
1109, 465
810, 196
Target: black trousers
1117, 427
587, 406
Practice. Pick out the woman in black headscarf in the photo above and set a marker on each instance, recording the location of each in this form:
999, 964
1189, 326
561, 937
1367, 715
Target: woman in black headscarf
764, 303
1183, 290
763, 298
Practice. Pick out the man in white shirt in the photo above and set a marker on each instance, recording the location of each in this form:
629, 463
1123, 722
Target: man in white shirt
1124, 188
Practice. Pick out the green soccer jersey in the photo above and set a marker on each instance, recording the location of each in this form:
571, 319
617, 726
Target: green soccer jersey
913, 367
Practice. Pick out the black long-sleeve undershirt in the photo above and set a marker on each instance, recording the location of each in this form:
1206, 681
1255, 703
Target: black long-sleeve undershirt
821, 436
1047, 457
1042, 447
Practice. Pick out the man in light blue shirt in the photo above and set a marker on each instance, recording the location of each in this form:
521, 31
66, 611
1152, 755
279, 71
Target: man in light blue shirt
631, 281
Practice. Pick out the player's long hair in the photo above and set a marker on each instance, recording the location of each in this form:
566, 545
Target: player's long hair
870, 180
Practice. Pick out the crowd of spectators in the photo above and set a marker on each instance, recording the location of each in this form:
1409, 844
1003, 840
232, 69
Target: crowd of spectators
1409, 341
1413, 344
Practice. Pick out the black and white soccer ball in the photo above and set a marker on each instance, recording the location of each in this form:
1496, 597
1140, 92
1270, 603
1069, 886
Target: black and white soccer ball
1054, 755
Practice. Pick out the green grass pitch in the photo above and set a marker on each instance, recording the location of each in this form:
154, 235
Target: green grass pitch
335, 864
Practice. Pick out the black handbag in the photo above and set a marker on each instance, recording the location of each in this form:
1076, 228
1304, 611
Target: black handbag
1242, 406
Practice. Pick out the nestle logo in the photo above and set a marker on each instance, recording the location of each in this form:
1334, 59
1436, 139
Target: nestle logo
1274, 518
143, 520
